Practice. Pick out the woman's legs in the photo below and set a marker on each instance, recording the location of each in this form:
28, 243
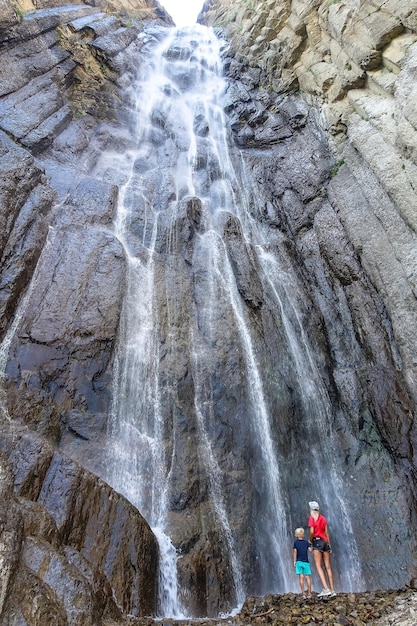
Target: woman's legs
318, 556
326, 557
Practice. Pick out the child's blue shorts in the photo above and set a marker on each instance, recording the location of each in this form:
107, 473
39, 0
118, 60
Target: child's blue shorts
302, 568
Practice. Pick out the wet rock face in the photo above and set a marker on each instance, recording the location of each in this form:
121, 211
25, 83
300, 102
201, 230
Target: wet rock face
362, 233
340, 224
47, 90
56, 560
64, 338
26, 198
356, 62
345, 310
55, 564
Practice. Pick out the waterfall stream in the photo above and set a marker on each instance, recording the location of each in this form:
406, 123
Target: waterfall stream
183, 312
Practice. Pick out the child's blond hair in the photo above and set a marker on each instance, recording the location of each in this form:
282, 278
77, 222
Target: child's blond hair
299, 531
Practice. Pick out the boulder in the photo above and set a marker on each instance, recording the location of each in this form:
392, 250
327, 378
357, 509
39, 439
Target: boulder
55, 561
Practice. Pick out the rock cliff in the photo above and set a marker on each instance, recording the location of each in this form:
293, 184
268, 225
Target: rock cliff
72, 550
352, 63
321, 111
355, 63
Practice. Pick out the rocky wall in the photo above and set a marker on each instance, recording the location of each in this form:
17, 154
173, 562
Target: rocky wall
346, 216
141, 9
354, 63
72, 550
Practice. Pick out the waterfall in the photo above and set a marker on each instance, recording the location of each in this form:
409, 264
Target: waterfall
316, 404
280, 280
189, 371
138, 453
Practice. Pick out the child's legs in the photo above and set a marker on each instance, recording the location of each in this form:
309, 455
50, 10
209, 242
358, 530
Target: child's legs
308, 579
301, 581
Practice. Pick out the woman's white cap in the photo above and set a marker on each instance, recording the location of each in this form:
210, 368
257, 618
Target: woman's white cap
314, 506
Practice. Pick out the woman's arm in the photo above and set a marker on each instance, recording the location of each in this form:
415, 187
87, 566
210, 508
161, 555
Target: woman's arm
311, 533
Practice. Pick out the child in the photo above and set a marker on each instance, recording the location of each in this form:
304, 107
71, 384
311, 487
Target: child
302, 567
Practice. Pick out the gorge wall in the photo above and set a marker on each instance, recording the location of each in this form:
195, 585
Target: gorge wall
355, 61
72, 550
321, 106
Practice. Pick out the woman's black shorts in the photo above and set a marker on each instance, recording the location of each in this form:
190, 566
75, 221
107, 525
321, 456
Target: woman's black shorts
321, 545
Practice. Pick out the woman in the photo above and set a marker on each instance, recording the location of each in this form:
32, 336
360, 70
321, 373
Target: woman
319, 537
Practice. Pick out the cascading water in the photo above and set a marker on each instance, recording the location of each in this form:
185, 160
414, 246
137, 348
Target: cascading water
194, 443
140, 466
280, 281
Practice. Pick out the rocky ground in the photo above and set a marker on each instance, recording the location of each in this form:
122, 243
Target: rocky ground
380, 608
